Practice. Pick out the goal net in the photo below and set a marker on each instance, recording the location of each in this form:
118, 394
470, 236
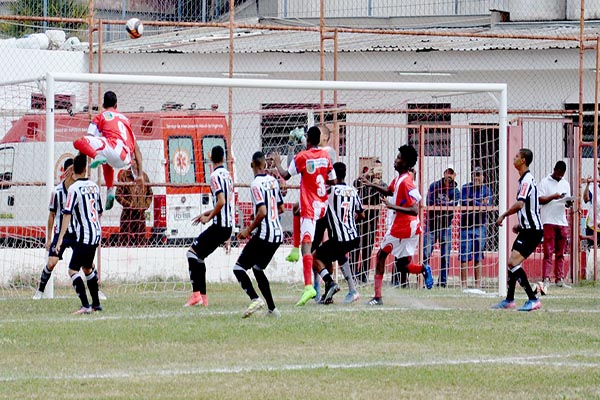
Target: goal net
458, 127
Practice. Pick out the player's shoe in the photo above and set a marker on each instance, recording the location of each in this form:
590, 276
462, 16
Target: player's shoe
309, 293
274, 313
38, 295
531, 305
97, 308
504, 305
294, 255
101, 295
317, 286
375, 301
351, 297
428, 276
110, 198
204, 300
194, 300
330, 290
254, 306
539, 288
562, 284
98, 161
83, 310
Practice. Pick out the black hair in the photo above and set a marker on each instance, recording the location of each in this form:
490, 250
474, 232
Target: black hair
217, 154
527, 155
409, 155
79, 163
258, 158
68, 162
340, 170
110, 99
313, 136
560, 166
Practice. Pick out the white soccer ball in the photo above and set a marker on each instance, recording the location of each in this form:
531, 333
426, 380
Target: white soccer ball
135, 28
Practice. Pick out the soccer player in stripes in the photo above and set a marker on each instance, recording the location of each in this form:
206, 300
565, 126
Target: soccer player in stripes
57, 201
222, 216
402, 237
84, 208
267, 202
110, 142
316, 170
530, 233
344, 207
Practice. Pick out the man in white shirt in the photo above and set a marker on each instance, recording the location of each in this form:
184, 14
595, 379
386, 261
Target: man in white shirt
554, 196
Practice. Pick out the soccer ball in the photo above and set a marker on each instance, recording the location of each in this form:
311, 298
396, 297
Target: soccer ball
134, 28
296, 136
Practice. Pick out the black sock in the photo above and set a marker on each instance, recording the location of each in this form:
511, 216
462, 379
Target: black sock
265, 287
512, 283
245, 282
197, 270
46, 273
80, 290
92, 284
524, 282
326, 276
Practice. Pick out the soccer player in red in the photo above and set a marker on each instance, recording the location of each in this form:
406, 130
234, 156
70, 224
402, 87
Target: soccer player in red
110, 142
402, 237
316, 171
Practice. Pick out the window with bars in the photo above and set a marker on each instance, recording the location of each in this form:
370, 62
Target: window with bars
436, 138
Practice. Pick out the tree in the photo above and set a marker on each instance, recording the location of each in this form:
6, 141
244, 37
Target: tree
56, 8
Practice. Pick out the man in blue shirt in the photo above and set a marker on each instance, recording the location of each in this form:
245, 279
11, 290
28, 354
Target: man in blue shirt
473, 225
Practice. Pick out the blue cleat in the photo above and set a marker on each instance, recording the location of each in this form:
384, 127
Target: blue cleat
531, 305
428, 276
504, 305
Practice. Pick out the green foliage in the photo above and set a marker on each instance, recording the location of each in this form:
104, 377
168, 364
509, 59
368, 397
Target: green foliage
56, 8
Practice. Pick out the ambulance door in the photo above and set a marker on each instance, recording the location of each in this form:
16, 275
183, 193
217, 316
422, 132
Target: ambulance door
7, 193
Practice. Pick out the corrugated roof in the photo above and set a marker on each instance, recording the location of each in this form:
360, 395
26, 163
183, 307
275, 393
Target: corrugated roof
215, 40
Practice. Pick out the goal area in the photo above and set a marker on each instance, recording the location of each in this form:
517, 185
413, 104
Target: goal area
178, 119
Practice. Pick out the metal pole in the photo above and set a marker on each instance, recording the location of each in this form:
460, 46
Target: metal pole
49, 292
503, 192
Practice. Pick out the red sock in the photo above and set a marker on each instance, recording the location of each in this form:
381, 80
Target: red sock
85, 147
109, 175
296, 231
378, 284
415, 268
307, 264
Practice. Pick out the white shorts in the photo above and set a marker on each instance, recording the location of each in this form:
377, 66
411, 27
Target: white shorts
117, 157
400, 247
307, 229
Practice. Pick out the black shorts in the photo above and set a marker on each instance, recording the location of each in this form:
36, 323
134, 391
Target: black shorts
257, 252
527, 241
332, 250
210, 239
83, 256
68, 241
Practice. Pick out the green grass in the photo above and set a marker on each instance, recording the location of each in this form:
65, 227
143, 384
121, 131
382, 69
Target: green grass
420, 345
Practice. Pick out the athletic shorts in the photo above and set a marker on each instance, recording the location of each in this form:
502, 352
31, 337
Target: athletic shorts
210, 239
332, 250
257, 252
527, 241
117, 157
68, 241
83, 256
400, 247
307, 229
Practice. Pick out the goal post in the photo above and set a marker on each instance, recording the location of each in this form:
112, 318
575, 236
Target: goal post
373, 119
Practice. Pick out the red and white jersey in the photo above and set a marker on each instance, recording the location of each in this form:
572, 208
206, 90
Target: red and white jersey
114, 126
315, 169
405, 194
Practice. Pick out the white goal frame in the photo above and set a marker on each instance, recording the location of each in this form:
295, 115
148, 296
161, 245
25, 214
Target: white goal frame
499, 90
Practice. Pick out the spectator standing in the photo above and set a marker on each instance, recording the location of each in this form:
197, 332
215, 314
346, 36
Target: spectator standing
135, 197
473, 225
591, 198
442, 194
553, 189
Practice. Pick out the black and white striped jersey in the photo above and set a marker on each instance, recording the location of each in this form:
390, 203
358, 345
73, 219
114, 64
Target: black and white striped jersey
344, 203
57, 203
265, 191
529, 214
221, 182
85, 206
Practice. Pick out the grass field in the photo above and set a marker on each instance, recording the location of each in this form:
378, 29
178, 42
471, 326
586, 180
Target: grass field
420, 345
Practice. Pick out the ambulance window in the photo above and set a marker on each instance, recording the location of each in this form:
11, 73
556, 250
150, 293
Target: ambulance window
181, 160
7, 156
208, 142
